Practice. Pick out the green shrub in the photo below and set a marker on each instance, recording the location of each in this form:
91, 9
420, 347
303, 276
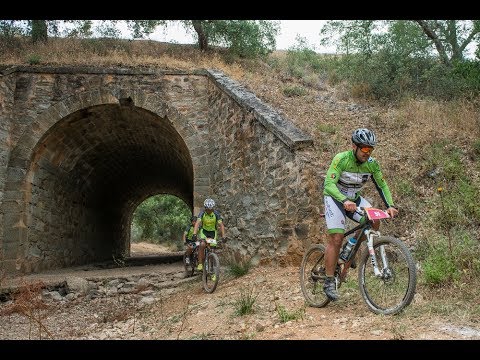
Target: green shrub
237, 269
439, 268
294, 90
34, 59
301, 57
386, 76
244, 304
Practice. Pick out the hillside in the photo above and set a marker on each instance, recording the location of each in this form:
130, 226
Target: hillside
417, 139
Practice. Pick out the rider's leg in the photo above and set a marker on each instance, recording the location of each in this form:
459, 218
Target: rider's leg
201, 249
332, 250
188, 252
331, 256
189, 249
335, 219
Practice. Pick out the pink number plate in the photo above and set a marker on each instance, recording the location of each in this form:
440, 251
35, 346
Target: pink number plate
376, 214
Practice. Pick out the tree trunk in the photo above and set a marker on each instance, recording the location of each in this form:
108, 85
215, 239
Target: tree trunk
39, 31
202, 37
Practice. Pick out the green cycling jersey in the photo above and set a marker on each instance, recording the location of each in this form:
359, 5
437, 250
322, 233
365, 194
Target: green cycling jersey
189, 232
346, 177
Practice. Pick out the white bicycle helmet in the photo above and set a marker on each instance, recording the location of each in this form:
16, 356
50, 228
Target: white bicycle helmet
209, 204
364, 136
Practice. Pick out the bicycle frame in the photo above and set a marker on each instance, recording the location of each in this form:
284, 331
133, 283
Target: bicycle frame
366, 228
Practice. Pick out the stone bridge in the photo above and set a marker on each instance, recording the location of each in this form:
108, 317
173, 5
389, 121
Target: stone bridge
81, 148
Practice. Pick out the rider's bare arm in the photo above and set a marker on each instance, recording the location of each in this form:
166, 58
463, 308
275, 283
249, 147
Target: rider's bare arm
222, 229
197, 225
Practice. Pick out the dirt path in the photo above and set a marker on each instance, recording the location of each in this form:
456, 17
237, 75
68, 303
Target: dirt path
187, 312
144, 248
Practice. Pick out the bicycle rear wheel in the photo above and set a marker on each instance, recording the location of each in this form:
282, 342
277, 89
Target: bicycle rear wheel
394, 289
312, 276
190, 267
211, 272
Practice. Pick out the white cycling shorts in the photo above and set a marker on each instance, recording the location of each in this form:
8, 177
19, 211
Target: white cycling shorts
335, 214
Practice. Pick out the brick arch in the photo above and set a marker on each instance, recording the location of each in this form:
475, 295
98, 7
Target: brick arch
19, 226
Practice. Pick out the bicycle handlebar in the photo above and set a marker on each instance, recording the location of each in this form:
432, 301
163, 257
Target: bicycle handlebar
362, 211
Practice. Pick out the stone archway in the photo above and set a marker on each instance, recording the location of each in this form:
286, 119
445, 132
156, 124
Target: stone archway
81, 169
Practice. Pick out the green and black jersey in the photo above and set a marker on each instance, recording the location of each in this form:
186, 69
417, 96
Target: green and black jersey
346, 177
188, 232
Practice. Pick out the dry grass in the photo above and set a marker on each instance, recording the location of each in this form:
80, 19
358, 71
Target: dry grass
109, 52
28, 301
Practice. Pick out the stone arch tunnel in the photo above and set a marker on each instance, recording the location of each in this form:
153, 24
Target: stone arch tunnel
93, 168
82, 148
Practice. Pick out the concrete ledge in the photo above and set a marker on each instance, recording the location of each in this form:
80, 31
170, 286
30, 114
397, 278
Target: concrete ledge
284, 129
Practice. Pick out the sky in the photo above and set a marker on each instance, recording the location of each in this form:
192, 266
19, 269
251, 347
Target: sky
289, 29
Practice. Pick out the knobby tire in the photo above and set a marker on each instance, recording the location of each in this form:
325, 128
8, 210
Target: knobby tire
392, 293
312, 276
213, 268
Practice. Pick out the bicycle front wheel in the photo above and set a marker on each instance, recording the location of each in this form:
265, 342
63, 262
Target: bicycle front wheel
393, 289
312, 276
211, 272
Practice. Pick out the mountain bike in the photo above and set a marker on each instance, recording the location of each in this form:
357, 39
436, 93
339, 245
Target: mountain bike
211, 265
386, 269
191, 266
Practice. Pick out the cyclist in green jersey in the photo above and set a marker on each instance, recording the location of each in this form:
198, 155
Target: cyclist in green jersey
209, 219
346, 176
187, 238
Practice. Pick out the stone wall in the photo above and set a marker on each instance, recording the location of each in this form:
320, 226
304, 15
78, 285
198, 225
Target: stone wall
83, 147
262, 177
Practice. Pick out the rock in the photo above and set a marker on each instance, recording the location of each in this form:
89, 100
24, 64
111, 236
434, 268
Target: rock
78, 285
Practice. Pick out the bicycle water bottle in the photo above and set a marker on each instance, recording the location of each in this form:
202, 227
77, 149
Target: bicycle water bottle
347, 249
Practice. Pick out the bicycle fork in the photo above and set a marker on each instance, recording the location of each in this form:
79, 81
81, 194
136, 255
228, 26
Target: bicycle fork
370, 235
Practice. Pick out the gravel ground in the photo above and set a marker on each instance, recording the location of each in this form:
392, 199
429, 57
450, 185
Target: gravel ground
184, 311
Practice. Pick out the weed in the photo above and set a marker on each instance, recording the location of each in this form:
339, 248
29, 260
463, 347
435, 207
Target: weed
201, 336
34, 59
286, 315
327, 128
439, 267
248, 336
237, 269
244, 304
294, 90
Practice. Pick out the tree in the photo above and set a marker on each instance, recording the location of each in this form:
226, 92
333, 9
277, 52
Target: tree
141, 28
161, 218
449, 38
39, 30
10, 28
246, 38
199, 26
